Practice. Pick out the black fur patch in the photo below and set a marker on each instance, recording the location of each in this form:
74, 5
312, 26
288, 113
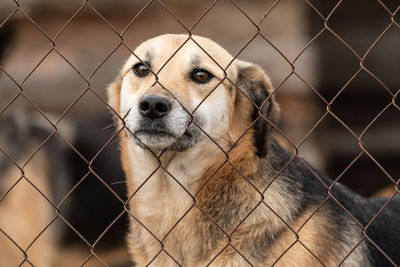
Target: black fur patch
188, 139
255, 87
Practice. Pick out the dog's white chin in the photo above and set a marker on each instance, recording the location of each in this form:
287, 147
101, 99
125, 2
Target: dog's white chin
156, 141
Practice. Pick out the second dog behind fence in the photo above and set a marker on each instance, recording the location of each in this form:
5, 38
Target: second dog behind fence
207, 179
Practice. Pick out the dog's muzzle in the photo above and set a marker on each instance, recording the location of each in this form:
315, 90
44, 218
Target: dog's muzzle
161, 124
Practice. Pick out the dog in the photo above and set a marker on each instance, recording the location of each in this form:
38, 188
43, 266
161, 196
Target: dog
24, 213
34, 158
32, 182
208, 183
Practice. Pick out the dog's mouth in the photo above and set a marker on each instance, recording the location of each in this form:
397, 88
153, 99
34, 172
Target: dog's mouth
154, 133
158, 136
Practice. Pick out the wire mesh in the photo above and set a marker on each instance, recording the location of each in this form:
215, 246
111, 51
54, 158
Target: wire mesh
325, 19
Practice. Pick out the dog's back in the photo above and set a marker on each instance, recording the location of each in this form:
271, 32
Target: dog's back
384, 230
380, 217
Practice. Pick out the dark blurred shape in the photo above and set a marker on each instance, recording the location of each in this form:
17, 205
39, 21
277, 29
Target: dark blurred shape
7, 36
94, 205
367, 90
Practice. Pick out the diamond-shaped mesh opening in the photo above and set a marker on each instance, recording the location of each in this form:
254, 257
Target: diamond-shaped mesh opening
365, 36
340, 104
37, 10
382, 52
85, 217
93, 42
37, 90
266, 55
187, 12
234, 40
121, 14
377, 133
26, 33
107, 71
271, 27
362, 171
137, 30
372, 101
345, 62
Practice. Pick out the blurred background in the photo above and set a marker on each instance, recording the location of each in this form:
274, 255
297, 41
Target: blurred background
336, 56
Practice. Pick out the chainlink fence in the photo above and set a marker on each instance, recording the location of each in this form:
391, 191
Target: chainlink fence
54, 124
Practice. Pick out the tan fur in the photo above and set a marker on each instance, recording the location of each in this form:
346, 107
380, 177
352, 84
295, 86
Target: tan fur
317, 243
308, 247
24, 213
164, 221
175, 208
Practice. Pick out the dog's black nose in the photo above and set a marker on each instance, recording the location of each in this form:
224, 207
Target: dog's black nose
154, 107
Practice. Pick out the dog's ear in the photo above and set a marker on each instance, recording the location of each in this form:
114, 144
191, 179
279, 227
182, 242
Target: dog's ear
114, 95
256, 85
114, 99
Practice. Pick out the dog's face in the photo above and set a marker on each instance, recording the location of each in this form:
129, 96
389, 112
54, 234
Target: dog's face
175, 102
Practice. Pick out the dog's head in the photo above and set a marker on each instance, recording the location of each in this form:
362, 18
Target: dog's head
175, 94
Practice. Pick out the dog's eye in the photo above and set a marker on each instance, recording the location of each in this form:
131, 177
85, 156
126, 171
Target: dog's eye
141, 69
201, 76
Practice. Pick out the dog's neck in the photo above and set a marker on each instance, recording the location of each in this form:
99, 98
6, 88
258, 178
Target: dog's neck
191, 167
223, 185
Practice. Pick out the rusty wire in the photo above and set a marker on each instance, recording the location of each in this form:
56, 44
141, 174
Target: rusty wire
188, 30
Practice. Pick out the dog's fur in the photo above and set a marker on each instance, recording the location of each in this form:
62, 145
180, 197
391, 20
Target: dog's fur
25, 213
189, 198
